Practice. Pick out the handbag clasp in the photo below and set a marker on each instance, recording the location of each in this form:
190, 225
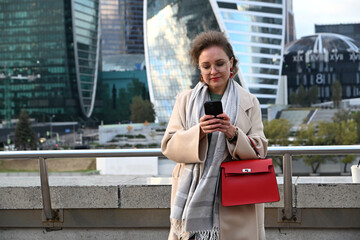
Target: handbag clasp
246, 170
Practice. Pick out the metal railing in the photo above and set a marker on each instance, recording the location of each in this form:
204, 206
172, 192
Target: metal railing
289, 213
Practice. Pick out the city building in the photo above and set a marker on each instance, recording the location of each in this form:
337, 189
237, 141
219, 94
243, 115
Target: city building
49, 58
256, 30
351, 30
123, 61
116, 91
319, 60
122, 27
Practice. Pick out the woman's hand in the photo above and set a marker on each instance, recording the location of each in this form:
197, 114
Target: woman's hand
221, 122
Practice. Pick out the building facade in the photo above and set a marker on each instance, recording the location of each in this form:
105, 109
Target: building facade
351, 30
122, 27
49, 59
256, 29
319, 60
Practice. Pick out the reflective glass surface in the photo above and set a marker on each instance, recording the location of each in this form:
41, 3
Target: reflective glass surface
256, 33
38, 59
87, 43
245, 17
122, 27
249, 7
171, 26
241, 48
251, 28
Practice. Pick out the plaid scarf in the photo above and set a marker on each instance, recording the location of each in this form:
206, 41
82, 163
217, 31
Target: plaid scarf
196, 204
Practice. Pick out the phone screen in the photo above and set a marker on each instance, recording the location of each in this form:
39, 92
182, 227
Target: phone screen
213, 108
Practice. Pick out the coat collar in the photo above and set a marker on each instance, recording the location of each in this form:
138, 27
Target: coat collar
245, 99
246, 102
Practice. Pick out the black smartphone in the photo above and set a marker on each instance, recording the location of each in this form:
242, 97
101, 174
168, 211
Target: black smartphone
213, 108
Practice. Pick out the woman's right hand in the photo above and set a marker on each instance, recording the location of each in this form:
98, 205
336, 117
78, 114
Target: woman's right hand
210, 124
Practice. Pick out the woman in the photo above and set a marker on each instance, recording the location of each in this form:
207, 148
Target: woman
199, 143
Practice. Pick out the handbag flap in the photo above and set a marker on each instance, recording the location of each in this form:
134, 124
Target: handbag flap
247, 166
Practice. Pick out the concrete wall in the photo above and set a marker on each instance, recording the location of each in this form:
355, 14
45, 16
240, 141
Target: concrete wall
134, 207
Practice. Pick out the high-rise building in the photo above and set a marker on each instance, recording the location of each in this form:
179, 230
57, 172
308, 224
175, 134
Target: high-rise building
351, 30
49, 58
320, 60
256, 30
122, 27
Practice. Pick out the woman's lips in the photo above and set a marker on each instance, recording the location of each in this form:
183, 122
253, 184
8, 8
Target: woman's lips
215, 79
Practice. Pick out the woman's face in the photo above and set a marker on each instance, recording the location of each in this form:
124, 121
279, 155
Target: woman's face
215, 67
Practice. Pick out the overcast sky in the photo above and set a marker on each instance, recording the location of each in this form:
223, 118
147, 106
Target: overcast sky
311, 12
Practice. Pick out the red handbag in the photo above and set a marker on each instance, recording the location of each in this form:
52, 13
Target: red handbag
248, 182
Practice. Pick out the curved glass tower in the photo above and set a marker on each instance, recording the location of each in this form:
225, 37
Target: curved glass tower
86, 37
256, 30
49, 59
170, 27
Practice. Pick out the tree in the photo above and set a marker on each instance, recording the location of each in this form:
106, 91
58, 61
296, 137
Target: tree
342, 115
307, 136
277, 131
347, 160
313, 94
356, 117
340, 132
142, 110
24, 135
293, 98
302, 96
336, 93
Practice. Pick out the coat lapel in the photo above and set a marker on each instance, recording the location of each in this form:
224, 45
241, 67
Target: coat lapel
243, 121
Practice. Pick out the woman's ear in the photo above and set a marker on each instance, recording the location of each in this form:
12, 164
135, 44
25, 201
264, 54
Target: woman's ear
231, 62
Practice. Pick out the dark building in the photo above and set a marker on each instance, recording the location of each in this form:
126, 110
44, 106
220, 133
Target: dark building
351, 30
320, 60
49, 58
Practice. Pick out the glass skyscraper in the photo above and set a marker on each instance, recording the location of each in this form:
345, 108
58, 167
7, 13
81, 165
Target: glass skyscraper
122, 27
256, 30
49, 58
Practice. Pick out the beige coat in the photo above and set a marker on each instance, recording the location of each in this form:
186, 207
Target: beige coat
188, 146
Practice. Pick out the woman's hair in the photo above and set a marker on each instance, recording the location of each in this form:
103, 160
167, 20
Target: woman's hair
208, 39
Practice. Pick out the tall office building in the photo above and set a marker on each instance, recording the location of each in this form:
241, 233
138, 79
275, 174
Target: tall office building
49, 58
256, 30
122, 27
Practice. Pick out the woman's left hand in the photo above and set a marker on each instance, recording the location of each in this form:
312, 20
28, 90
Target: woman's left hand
226, 127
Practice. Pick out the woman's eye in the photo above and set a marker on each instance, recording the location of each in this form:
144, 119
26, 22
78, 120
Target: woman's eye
206, 67
220, 64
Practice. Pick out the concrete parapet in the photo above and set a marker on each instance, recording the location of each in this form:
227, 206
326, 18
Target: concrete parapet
153, 192
130, 207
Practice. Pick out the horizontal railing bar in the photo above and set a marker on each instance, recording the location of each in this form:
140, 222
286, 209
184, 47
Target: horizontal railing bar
315, 150
151, 152
156, 152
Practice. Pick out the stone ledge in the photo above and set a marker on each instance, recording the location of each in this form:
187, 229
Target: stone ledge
149, 192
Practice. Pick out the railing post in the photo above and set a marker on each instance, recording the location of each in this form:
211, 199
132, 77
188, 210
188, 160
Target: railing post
288, 208
45, 190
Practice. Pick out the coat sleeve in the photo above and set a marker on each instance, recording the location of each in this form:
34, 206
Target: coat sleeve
251, 144
183, 145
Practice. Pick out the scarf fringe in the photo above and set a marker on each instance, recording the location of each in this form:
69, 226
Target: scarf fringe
208, 235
